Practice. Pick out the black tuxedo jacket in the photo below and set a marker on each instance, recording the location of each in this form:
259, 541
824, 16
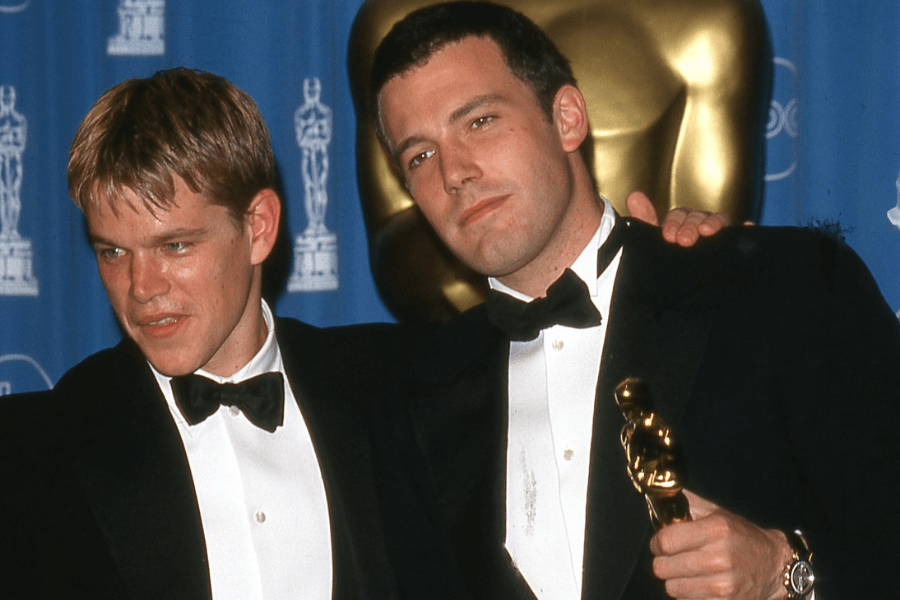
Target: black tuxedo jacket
771, 353
97, 498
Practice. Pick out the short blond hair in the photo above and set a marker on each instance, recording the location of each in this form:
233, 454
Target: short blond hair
180, 121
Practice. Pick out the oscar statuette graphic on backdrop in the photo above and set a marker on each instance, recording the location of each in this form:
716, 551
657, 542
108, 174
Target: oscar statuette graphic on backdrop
315, 250
16, 256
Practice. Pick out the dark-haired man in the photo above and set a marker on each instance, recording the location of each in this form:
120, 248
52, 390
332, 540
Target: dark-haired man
759, 346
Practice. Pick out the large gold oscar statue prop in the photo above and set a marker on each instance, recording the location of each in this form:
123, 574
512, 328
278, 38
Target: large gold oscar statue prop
676, 93
655, 460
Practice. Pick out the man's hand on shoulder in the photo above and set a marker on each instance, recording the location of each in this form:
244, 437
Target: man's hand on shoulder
720, 555
682, 225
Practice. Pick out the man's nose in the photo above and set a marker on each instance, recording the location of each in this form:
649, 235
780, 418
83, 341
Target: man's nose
458, 166
148, 278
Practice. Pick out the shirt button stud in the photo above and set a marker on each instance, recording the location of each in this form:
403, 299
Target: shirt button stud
558, 344
568, 454
260, 516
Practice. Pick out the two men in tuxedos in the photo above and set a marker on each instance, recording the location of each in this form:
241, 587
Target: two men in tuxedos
218, 451
771, 352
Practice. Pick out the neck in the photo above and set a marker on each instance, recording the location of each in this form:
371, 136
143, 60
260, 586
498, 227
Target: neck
245, 340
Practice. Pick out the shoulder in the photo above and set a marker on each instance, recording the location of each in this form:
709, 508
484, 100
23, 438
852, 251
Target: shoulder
293, 332
786, 270
35, 431
793, 256
348, 357
19, 409
743, 250
113, 389
111, 368
296, 338
404, 350
441, 352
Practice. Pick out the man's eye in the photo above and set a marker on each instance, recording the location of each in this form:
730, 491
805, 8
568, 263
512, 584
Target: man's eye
109, 253
481, 122
176, 247
419, 158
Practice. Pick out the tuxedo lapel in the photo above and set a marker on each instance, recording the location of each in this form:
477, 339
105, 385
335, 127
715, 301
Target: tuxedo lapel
130, 463
657, 330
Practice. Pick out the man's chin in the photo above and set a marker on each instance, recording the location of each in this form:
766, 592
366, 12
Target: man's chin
492, 266
168, 365
172, 370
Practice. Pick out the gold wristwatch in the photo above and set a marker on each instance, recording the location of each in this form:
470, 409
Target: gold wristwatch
799, 579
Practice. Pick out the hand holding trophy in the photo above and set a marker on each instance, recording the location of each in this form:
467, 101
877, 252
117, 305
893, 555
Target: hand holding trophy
655, 459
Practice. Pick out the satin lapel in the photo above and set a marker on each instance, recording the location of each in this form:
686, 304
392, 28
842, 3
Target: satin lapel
132, 468
659, 320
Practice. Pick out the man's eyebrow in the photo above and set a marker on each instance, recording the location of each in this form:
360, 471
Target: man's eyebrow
96, 239
165, 238
404, 145
458, 114
473, 105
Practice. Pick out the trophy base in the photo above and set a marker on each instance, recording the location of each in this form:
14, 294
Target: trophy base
315, 263
16, 278
128, 47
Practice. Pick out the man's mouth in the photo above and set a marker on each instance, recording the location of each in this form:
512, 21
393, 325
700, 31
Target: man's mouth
160, 326
163, 321
481, 209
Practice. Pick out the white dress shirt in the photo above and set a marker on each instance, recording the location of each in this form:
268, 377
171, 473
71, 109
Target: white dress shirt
261, 495
552, 386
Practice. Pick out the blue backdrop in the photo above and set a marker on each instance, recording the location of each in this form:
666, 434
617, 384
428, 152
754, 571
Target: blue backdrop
833, 149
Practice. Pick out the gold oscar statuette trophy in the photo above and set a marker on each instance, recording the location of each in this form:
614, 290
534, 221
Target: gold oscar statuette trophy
655, 459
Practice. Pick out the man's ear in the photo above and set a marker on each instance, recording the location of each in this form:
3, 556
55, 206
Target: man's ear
262, 220
570, 117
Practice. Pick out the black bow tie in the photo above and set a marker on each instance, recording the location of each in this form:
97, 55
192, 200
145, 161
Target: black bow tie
568, 301
261, 398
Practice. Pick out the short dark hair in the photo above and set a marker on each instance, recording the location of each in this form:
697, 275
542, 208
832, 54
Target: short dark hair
196, 125
528, 52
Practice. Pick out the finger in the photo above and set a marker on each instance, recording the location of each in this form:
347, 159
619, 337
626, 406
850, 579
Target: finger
677, 538
674, 221
693, 224
640, 207
698, 562
711, 587
689, 536
713, 224
688, 231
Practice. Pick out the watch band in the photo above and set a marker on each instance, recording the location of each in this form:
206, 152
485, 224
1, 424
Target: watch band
799, 578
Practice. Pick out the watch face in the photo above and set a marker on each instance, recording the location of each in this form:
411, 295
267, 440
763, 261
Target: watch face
802, 577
